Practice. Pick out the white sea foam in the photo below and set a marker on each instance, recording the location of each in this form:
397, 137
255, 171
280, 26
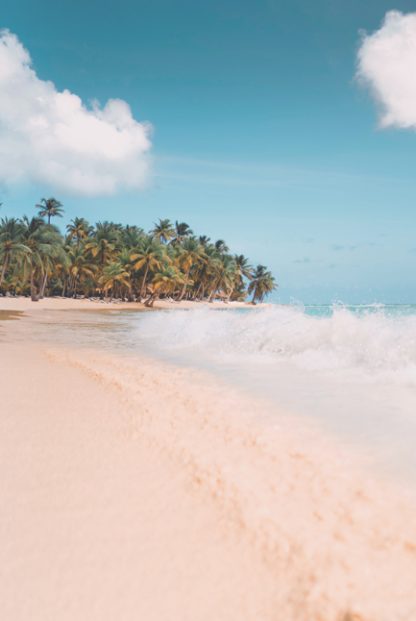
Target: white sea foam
370, 339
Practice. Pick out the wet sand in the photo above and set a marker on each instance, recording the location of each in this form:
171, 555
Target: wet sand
133, 489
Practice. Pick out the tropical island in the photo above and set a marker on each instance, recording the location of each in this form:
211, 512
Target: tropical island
123, 262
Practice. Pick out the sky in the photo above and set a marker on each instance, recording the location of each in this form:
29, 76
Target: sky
286, 128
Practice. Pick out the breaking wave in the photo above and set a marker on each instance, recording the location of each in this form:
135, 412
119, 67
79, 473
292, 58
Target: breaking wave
371, 339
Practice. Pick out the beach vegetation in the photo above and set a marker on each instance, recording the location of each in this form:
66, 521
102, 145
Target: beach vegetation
111, 260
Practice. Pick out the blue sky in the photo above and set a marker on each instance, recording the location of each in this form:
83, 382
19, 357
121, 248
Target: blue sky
261, 133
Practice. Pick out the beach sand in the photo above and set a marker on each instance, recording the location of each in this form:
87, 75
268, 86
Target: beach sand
133, 489
25, 304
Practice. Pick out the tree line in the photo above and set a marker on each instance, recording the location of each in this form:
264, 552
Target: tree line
123, 262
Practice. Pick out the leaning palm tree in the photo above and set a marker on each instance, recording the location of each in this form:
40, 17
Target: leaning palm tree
163, 230
165, 282
50, 208
11, 245
242, 270
262, 283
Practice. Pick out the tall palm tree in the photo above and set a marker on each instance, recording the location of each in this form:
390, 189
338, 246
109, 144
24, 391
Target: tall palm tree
80, 268
242, 270
163, 230
262, 283
103, 243
190, 254
50, 208
45, 245
149, 256
11, 246
224, 276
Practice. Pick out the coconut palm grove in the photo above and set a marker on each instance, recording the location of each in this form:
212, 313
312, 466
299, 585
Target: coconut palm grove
110, 260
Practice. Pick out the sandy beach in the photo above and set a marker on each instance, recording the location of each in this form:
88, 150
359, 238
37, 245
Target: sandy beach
135, 489
25, 304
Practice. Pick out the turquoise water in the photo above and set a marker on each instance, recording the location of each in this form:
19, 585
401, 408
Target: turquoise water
389, 310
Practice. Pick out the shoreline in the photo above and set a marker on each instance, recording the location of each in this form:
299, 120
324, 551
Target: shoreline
127, 476
57, 303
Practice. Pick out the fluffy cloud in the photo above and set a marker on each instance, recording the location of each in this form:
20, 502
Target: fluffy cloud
387, 64
51, 137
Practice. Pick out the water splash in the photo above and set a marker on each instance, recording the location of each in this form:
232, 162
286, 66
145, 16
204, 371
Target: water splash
373, 339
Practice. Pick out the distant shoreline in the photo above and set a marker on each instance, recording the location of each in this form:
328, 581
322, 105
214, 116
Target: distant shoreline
58, 303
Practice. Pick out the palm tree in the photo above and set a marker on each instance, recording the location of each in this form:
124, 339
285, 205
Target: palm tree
103, 243
11, 246
149, 256
45, 245
242, 270
79, 229
221, 246
182, 231
163, 230
262, 283
132, 236
224, 276
190, 254
204, 240
50, 208
122, 261
115, 277
80, 268
165, 282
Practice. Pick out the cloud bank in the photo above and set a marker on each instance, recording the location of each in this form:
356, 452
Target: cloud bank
387, 65
51, 137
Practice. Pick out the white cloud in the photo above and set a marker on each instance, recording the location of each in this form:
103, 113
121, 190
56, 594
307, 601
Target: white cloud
387, 64
51, 137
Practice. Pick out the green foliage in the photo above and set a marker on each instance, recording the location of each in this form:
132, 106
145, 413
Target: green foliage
123, 262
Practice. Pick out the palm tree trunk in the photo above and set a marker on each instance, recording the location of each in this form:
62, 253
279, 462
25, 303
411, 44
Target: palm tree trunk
198, 291
4, 268
185, 284
33, 291
143, 287
44, 282
151, 300
214, 290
